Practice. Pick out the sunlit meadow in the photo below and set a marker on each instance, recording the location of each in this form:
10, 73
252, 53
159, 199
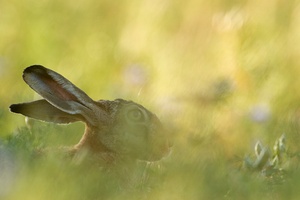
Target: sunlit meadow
223, 76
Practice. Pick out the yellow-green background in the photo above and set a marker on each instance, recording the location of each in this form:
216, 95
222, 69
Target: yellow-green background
184, 52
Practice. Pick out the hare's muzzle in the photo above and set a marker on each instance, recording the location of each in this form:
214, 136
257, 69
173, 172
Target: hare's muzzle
162, 147
159, 152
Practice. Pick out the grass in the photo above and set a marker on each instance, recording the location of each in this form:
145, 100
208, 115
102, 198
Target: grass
221, 75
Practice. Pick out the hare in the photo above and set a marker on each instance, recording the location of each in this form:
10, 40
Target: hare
113, 129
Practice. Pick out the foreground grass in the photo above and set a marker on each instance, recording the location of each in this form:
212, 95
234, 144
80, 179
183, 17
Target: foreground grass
198, 168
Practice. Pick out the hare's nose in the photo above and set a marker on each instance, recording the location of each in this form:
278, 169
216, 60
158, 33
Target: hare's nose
170, 143
167, 149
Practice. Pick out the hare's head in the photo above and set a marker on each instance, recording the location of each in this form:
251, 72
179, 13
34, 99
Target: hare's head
132, 130
119, 127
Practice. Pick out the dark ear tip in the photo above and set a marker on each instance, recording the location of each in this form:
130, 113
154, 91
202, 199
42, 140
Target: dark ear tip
13, 108
33, 68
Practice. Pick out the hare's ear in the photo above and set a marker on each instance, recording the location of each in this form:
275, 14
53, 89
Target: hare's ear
43, 110
62, 94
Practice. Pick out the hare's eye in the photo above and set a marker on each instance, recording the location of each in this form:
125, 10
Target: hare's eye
135, 115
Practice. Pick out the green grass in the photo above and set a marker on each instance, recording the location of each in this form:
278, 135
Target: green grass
221, 75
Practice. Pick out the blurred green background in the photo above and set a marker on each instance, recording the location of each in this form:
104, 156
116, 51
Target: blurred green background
222, 74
